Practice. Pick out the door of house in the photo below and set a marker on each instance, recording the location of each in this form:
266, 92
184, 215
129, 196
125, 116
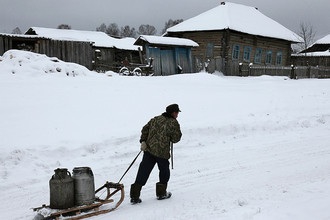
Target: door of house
183, 60
167, 62
164, 63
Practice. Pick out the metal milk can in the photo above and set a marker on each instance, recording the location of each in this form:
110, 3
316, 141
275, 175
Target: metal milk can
84, 186
61, 189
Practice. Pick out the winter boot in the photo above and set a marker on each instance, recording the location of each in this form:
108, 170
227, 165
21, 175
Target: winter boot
161, 191
135, 193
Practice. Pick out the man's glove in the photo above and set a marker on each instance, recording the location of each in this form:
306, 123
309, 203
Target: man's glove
144, 146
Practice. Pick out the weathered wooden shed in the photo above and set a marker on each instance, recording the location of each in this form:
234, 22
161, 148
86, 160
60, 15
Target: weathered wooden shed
170, 55
316, 55
94, 50
17, 41
106, 52
230, 34
67, 50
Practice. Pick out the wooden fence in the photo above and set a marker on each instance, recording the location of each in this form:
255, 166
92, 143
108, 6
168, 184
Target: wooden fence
293, 72
235, 68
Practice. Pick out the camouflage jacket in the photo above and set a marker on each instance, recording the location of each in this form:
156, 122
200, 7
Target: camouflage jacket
158, 133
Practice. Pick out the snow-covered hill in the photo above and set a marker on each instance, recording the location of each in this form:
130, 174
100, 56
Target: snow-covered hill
252, 148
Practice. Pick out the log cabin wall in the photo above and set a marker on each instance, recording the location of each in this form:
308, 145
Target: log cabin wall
216, 50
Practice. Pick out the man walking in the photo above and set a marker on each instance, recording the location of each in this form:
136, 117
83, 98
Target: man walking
156, 138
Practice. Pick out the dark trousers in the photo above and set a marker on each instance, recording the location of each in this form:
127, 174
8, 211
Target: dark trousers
147, 164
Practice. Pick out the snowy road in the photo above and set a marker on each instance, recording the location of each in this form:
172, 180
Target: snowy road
254, 148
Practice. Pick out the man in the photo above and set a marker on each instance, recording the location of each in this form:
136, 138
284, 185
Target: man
156, 138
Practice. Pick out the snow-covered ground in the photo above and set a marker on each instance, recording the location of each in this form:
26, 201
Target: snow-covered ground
252, 148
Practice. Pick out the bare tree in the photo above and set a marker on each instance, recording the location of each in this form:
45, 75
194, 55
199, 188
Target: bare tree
171, 23
16, 31
113, 30
102, 28
146, 29
126, 31
64, 26
307, 34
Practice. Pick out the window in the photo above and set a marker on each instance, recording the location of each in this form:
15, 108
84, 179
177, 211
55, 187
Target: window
269, 57
209, 50
258, 55
247, 53
279, 58
235, 52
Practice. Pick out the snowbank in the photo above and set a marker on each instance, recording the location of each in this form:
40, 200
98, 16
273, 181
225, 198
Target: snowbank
253, 148
19, 62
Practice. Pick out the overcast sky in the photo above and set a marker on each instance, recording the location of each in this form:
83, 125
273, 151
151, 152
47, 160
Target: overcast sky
90, 14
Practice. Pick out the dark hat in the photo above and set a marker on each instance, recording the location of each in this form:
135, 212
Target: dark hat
172, 108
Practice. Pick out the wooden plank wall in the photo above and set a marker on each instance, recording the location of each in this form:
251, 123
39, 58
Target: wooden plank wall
2, 45
68, 51
167, 59
199, 53
155, 54
264, 43
223, 42
183, 58
168, 63
5, 44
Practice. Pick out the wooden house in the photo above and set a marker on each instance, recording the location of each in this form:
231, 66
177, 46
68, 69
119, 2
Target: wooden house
170, 55
316, 55
232, 34
94, 50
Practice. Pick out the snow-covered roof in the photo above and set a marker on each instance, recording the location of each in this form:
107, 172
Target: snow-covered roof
99, 39
19, 35
321, 47
166, 41
324, 40
236, 17
314, 54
